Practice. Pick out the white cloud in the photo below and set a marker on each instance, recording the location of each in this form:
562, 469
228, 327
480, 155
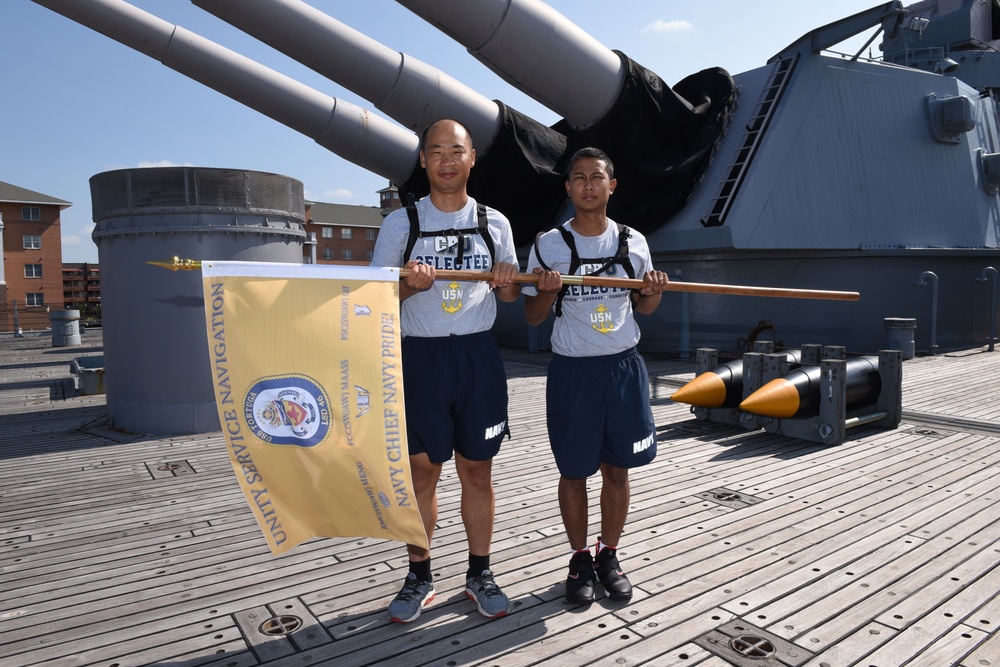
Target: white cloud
162, 163
334, 196
660, 25
80, 239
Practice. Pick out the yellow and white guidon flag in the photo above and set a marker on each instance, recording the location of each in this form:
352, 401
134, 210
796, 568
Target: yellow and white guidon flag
308, 382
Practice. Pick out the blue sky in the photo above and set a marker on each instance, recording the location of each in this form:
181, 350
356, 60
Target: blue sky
78, 103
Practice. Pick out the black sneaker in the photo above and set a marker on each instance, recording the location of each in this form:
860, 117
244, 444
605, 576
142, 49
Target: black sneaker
580, 582
616, 584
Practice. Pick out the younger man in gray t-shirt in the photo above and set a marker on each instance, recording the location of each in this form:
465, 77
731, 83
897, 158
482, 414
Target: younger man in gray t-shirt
597, 392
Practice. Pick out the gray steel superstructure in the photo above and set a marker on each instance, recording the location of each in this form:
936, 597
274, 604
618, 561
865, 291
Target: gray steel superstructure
842, 172
816, 170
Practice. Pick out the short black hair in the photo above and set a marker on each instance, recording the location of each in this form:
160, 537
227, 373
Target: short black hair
423, 135
590, 151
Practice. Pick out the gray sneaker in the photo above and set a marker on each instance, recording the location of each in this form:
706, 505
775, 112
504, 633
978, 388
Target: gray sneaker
414, 596
487, 595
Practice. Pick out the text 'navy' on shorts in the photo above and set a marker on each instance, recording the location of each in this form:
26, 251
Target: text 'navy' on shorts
455, 391
597, 411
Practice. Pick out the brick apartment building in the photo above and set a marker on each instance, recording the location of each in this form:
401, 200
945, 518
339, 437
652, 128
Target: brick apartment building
31, 280
82, 290
345, 234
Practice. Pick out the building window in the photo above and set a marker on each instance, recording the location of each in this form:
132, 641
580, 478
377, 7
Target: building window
327, 253
369, 254
34, 299
32, 270
345, 233
31, 213
32, 242
346, 254
370, 234
328, 232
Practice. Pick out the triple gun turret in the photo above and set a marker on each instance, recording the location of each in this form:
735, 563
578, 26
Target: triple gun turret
660, 138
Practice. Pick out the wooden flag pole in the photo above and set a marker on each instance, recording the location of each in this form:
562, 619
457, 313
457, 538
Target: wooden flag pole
672, 286
178, 264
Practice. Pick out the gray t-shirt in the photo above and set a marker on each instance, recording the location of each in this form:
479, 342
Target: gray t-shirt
595, 320
448, 307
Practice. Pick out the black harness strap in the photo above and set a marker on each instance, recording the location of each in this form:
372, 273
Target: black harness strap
621, 257
415, 232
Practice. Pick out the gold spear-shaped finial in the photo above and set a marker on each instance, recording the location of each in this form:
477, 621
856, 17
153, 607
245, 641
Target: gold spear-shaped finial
179, 264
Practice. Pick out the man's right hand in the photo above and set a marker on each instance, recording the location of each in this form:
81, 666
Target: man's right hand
419, 279
421, 276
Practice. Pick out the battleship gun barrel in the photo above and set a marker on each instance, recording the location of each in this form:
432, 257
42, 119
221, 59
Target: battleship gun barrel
533, 47
343, 128
659, 138
390, 80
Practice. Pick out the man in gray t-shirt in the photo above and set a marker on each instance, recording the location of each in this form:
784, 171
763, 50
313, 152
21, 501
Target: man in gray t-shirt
597, 390
454, 382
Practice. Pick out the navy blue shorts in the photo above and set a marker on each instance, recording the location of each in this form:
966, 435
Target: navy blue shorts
455, 390
597, 410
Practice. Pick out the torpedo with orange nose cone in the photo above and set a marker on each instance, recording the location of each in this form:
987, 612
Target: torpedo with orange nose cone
798, 393
722, 386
